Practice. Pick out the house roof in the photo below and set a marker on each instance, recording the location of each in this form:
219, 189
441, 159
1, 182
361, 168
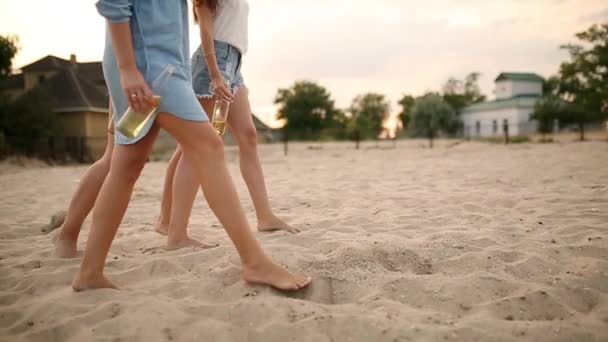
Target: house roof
259, 124
92, 71
73, 92
519, 76
520, 101
47, 63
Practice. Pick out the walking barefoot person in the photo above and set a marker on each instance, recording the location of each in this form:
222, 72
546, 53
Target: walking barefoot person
83, 200
142, 38
223, 28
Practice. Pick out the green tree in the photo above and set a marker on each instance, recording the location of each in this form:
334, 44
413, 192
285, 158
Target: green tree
307, 108
8, 50
546, 111
462, 93
368, 112
406, 103
28, 119
431, 116
583, 79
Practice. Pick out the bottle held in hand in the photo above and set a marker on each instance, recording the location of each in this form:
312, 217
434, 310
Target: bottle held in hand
220, 114
131, 123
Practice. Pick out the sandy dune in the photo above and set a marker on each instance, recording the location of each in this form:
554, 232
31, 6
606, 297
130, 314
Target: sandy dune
473, 242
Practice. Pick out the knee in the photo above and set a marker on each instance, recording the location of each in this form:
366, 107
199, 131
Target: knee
248, 138
129, 166
105, 162
211, 147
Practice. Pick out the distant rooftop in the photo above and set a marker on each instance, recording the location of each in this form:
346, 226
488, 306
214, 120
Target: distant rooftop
519, 101
519, 76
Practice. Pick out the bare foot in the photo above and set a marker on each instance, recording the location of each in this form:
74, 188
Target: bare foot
269, 273
64, 248
162, 228
189, 242
275, 224
82, 283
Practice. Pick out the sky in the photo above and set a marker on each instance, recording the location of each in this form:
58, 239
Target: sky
351, 47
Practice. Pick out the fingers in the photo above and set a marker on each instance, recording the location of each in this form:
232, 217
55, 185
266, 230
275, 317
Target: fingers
131, 98
140, 98
224, 93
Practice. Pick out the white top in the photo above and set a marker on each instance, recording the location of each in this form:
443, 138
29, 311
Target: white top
231, 23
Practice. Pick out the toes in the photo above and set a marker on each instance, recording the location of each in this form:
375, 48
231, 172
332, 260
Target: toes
304, 283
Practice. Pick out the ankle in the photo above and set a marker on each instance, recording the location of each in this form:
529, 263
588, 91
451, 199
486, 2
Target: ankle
255, 261
266, 217
173, 237
67, 235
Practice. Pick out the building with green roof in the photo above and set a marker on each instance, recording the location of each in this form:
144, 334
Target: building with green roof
516, 95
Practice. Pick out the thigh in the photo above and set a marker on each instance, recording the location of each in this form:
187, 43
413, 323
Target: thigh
239, 117
132, 157
189, 134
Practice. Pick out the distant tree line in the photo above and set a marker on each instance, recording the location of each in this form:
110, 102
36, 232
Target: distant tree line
578, 93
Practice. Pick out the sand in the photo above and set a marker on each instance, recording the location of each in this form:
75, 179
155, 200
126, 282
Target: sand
464, 242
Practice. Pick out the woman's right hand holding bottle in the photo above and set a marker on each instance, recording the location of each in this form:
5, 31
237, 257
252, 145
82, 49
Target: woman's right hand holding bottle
136, 89
220, 87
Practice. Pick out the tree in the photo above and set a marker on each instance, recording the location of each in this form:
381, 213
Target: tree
307, 108
8, 50
406, 103
546, 111
368, 112
431, 116
28, 119
462, 93
583, 80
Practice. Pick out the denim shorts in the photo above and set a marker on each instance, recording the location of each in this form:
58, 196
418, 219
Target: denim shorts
229, 62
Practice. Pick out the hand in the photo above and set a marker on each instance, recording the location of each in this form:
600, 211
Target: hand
136, 89
222, 91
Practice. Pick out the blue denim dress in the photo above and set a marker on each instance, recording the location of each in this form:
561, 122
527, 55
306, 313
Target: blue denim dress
160, 38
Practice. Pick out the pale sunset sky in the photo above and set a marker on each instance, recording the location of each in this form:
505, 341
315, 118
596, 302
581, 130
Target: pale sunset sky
393, 47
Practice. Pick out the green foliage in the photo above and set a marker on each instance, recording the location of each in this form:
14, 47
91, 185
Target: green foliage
28, 119
431, 116
308, 109
407, 104
368, 112
8, 50
512, 140
462, 93
546, 110
583, 79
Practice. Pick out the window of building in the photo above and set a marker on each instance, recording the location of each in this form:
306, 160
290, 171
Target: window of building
478, 127
494, 126
41, 78
505, 125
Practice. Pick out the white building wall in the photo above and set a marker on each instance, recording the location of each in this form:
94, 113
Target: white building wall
504, 89
508, 89
527, 88
515, 119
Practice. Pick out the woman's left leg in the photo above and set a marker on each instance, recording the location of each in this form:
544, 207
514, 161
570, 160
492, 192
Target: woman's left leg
241, 124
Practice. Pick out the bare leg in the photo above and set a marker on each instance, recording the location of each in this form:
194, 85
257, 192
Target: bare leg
185, 187
201, 145
110, 207
242, 126
83, 200
164, 219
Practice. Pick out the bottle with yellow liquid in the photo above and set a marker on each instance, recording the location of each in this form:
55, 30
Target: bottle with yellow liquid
131, 123
220, 114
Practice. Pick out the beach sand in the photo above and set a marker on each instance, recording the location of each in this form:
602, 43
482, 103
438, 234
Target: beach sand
463, 242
